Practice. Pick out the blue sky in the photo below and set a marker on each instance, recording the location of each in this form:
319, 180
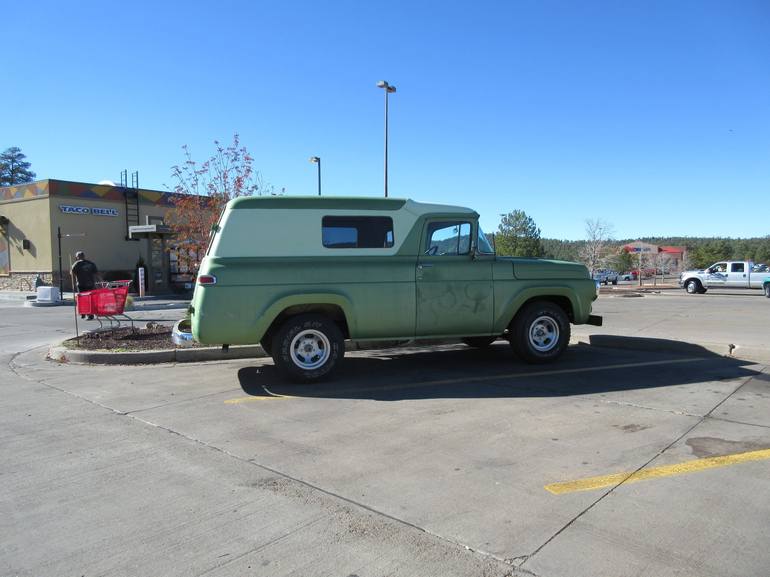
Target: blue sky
653, 115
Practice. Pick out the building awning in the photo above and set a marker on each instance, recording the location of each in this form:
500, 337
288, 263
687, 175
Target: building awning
149, 230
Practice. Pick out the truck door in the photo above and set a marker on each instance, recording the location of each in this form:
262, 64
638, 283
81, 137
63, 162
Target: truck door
454, 289
717, 275
737, 276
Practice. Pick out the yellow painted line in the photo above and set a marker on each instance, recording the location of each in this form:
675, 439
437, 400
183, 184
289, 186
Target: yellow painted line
591, 483
270, 396
254, 399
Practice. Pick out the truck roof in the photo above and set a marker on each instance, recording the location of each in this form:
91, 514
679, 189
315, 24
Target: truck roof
344, 203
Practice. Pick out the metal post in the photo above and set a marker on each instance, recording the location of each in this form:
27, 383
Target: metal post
61, 278
317, 160
388, 89
386, 143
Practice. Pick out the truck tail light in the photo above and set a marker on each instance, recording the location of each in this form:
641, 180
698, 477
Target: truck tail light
207, 279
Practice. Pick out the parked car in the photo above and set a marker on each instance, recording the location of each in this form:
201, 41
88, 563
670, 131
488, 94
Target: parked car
629, 275
300, 275
606, 276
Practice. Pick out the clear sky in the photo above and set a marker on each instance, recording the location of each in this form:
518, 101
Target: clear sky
653, 115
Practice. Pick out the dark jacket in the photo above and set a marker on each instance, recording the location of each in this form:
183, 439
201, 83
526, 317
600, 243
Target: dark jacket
85, 274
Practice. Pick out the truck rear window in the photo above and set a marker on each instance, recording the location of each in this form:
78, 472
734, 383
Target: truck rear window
357, 231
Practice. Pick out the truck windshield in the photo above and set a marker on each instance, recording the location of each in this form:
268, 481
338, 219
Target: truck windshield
484, 246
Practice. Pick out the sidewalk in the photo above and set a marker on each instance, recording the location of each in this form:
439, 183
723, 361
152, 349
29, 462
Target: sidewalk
147, 303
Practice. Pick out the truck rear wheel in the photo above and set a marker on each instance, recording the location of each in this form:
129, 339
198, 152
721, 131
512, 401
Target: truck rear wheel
767, 290
308, 347
540, 332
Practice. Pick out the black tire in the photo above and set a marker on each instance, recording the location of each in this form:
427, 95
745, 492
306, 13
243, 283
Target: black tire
767, 290
540, 332
693, 286
615, 281
479, 342
267, 345
308, 348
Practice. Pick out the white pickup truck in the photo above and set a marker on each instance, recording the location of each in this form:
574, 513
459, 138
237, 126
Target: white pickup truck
726, 274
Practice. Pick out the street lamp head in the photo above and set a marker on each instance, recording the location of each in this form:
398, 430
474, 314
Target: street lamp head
315, 159
388, 87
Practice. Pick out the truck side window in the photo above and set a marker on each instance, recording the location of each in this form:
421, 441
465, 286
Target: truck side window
736, 267
357, 232
448, 238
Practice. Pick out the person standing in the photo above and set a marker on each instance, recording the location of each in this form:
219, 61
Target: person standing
85, 274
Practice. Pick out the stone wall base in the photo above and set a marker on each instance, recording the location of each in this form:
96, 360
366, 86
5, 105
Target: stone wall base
25, 281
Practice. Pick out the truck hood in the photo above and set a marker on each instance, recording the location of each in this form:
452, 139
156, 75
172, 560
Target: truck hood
537, 268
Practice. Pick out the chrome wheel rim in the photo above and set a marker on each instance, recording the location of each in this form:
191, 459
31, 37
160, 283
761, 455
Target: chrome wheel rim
310, 349
544, 334
691, 287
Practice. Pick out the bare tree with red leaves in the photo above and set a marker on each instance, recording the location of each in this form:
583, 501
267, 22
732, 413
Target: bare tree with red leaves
202, 190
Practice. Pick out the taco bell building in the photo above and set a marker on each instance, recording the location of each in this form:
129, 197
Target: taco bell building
116, 227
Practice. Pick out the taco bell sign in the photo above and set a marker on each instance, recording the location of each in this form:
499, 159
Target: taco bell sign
69, 209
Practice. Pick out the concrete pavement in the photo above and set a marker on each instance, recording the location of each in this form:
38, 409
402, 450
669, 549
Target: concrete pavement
734, 323
413, 461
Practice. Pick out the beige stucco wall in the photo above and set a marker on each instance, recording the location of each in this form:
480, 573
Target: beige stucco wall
104, 242
29, 219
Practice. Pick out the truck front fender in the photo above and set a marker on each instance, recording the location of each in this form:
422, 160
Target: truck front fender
561, 294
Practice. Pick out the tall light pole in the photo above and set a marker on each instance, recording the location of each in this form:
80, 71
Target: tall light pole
388, 89
317, 160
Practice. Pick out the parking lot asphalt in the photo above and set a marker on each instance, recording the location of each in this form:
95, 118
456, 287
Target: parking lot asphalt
416, 461
733, 322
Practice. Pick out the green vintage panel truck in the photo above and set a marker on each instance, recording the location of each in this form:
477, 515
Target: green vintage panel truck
299, 275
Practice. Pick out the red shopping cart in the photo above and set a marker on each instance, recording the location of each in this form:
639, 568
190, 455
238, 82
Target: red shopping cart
108, 301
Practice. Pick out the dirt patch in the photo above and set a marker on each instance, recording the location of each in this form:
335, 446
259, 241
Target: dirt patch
151, 337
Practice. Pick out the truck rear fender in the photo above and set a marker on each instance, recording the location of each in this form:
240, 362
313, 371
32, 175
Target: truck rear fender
334, 306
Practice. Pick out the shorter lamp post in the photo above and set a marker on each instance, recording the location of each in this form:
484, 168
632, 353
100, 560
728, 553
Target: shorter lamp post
317, 160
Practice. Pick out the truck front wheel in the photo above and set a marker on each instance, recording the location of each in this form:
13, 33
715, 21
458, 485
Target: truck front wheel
540, 332
307, 347
693, 287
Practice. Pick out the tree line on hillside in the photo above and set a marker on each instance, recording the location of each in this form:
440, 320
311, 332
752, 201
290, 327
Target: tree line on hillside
518, 235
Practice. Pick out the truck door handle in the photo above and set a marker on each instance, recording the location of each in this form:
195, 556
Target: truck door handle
424, 265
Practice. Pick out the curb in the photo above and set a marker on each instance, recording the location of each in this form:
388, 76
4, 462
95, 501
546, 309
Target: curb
150, 306
182, 355
62, 354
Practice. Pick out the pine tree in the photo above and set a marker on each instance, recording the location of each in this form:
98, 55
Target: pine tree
518, 235
13, 168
